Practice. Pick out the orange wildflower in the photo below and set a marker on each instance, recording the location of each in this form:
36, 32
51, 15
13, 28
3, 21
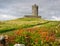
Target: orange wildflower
52, 38
19, 32
36, 40
44, 34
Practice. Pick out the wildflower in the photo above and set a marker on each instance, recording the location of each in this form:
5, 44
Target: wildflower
36, 40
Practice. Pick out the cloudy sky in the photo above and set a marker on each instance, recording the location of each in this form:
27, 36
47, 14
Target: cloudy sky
11, 9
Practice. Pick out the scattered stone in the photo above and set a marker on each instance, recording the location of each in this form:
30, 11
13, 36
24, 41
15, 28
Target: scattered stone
19, 45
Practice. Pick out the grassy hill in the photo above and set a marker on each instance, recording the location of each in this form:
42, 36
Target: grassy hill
20, 23
36, 29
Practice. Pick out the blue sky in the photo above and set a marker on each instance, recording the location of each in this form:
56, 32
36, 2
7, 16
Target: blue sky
11, 9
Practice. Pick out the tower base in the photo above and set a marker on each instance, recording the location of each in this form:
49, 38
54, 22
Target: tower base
30, 16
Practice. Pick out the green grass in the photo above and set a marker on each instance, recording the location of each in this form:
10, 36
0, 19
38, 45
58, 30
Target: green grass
11, 25
20, 23
51, 24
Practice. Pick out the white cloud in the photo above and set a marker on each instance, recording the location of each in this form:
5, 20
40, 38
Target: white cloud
56, 18
7, 17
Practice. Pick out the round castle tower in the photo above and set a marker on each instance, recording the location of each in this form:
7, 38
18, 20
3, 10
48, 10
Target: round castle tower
34, 10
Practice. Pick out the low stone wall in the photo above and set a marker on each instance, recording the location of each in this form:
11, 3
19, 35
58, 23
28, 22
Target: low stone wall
32, 16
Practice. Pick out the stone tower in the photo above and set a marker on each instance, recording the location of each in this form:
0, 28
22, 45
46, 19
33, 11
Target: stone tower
34, 10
